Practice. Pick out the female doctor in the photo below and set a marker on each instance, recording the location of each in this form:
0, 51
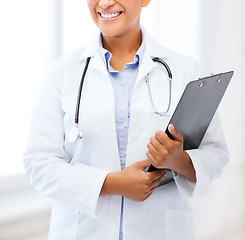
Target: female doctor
93, 165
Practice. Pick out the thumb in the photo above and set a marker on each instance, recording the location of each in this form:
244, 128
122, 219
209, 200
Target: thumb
175, 133
143, 164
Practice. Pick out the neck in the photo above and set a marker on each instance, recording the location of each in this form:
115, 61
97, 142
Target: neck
124, 45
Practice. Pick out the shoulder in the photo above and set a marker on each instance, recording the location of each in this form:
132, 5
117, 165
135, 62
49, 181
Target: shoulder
78, 57
178, 62
70, 60
183, 68
63, 69
69, 64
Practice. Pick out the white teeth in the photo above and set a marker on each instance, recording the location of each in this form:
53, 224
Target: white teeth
111, 15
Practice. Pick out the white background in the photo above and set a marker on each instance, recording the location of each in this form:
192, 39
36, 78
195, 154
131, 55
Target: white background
34, 33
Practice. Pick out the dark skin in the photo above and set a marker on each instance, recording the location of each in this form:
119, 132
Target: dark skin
137, 185
123, 53
166, 153
132, 182
122, 36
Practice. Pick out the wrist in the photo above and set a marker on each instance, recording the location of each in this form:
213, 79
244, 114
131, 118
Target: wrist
186, 167
111, 184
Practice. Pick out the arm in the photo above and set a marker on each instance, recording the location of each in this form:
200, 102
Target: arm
46, 162
207, 161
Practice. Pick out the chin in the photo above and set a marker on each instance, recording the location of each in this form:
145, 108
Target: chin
113, 32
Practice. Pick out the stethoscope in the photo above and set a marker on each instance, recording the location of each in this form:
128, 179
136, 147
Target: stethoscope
75, 133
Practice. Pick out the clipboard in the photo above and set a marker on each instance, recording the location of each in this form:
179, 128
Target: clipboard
195, 111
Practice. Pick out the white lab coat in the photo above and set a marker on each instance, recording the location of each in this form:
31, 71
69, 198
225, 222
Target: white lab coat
73, 174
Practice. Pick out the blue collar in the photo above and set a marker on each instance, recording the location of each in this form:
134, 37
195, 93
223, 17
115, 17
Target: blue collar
106, 55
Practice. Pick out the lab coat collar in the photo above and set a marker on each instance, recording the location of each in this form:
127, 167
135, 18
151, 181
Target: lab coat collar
91, 49
106, 55
152, 49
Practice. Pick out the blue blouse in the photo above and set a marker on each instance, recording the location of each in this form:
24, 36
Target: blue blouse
123, 83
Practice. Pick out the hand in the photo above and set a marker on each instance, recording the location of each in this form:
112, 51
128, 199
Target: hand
165, 152
133, 182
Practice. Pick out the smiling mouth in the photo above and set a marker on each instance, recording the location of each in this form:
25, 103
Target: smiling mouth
110, 15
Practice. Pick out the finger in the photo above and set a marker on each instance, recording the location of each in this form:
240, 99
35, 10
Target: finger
157, 174
152, 149
153, 159
162, 138
155, 143
156, 183
149, 194
143, 164
175, 133
150, 156
152, 190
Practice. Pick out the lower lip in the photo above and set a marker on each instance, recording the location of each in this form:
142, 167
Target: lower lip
110, 19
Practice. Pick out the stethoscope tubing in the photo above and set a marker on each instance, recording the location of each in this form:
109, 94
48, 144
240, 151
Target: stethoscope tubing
170, 76
75, 133
156, 59
80, 91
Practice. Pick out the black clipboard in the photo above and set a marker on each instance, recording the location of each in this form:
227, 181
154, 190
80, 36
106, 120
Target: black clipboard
195, 111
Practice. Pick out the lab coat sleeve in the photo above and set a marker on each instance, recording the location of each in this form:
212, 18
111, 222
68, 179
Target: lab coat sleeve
209, 159
46, 162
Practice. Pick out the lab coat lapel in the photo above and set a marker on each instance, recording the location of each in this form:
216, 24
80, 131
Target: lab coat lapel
146, 66
143, 122
97, 62
152, 49
100, 99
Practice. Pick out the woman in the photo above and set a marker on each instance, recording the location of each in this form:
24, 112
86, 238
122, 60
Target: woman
98, 179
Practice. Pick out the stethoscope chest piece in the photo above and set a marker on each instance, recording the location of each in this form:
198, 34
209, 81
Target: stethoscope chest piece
73, 134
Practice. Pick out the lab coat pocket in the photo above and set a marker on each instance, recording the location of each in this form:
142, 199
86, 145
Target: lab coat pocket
64, 222
179, 224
